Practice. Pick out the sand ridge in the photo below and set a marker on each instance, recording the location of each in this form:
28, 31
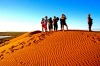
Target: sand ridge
69, 48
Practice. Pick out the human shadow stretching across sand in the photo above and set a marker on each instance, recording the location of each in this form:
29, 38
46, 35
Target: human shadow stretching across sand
89, 22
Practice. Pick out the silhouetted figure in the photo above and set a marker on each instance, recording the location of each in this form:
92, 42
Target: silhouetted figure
89, 22
60, 24
63, 22
44, 27
55, 20
46, 20
50, 22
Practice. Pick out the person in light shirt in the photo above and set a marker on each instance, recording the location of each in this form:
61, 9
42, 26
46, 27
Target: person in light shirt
43, 25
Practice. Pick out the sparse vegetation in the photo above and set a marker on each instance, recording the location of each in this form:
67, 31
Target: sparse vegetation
12, 34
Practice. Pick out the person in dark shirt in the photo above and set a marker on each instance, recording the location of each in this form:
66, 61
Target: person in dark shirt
50, 22
89, 22
46, 20
55, 20
63, 22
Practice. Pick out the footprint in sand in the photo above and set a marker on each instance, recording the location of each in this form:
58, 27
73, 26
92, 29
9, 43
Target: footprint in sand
93, 38
88, 36
98, 39
11, 49
7, 52
1, 56
32, 38
21, 47
36, 41
3, 51
41, 37
22, 63
94, 41
98, 56
82, 33
21, 43
13, 46
28, 44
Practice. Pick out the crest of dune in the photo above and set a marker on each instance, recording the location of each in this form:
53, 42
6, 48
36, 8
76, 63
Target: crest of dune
69, 48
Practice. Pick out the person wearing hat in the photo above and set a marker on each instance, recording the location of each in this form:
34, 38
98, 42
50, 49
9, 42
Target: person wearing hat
89, 22
63, 22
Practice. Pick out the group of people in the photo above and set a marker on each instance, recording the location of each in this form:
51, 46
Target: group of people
53, 23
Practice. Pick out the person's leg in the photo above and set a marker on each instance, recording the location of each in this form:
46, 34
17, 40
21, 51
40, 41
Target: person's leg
48, 27
54, 27
42, 29
66, 26
63, 27
89, 27
45, 27
57, 27
51, 27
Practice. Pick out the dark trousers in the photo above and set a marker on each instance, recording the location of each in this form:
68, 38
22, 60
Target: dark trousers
61, 25
90, 25
55, 26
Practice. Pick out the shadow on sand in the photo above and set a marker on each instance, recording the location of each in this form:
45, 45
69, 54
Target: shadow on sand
35, 32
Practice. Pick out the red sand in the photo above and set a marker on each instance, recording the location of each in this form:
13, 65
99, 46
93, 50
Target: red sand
69, 48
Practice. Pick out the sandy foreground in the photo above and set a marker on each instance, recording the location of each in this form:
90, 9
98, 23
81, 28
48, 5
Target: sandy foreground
69, 48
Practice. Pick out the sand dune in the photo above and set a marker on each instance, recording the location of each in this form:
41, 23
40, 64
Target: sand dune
69, 48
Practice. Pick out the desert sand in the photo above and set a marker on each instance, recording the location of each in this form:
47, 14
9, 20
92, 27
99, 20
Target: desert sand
69, 48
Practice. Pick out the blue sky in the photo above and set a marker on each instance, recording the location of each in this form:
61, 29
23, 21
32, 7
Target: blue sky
26, 15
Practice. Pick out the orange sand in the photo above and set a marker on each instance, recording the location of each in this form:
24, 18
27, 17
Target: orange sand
69, 48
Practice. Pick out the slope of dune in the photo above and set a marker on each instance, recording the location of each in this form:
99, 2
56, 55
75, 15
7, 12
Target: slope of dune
69, 48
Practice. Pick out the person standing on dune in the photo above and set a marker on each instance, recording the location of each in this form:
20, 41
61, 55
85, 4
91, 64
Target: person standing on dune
63, 22
43, 25
46, 20
89, 22
55, 20
50, 22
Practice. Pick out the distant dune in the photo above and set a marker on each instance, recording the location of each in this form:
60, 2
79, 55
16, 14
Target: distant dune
69, 48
